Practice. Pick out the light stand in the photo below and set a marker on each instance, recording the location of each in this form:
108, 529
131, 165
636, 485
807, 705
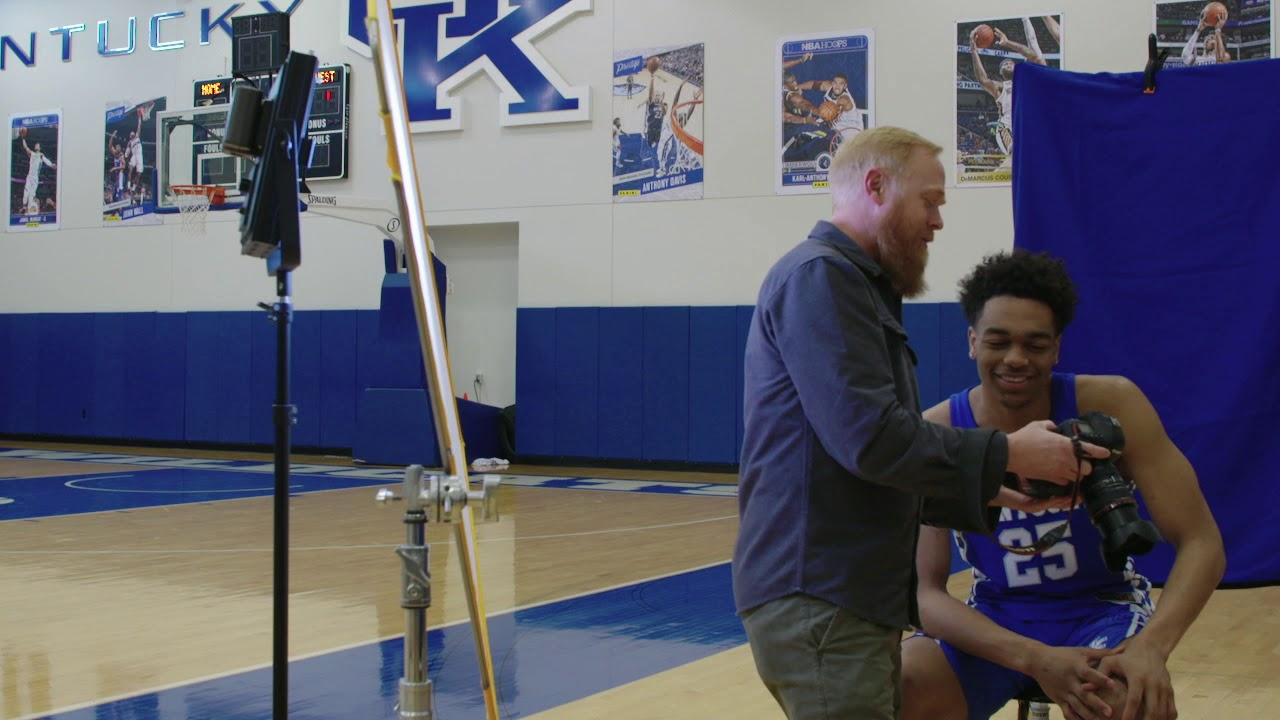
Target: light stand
273, 133
448, 494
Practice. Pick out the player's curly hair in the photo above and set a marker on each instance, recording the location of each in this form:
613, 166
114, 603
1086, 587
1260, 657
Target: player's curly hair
1034, 276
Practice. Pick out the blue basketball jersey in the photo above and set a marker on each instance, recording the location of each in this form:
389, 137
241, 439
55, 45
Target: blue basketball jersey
1071, 576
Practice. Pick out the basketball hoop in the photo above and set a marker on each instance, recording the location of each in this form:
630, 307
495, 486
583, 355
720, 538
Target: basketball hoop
144, 111
193, 203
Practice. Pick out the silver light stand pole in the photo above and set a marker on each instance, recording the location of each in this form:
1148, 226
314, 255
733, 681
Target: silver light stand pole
449, 494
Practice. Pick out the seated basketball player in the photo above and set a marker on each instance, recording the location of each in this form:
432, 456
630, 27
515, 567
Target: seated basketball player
1054, 618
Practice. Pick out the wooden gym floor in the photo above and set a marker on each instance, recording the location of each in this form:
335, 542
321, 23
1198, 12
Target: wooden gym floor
137, 583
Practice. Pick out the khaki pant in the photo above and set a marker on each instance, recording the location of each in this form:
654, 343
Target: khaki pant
821, 662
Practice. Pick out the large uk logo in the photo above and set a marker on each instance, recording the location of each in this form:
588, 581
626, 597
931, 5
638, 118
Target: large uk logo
444, 44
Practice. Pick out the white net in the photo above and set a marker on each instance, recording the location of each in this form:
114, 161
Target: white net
193, 207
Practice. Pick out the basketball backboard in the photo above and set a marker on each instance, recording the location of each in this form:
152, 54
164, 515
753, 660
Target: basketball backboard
189, 152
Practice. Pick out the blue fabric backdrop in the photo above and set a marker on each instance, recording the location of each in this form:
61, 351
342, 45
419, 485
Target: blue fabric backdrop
1166, 209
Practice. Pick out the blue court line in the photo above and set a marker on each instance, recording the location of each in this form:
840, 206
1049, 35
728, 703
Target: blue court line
544, 657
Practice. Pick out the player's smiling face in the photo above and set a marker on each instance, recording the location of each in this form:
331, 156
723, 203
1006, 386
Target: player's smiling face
1015, 345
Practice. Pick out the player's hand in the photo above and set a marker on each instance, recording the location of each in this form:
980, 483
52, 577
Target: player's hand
1068, 677
806, 57
1202, 25
1222, 22
1037, 451
973, 37
1001, 38
1150, 688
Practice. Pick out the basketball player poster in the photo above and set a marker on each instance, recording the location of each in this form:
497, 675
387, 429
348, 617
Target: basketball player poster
1200, 32
657, 123
987, 53
828, 96
129, 163
34, 187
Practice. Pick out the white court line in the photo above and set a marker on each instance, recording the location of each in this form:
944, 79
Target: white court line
323, 548
72, 484
353, 646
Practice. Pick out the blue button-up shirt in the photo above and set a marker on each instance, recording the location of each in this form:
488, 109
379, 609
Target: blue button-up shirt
837, 463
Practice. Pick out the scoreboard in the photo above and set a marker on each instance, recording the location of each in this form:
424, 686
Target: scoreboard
330, 115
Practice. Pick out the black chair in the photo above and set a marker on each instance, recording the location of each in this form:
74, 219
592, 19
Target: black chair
1032, 694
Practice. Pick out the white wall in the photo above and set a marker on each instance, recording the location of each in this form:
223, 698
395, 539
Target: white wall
480, 313
575, 247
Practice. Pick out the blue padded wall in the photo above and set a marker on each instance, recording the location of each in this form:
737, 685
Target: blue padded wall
339, 352
666, 383
20, 373
201, 377
307, 360
957, 370
65, 374
623, 383
621, 395
139, 376
744, 315
163, 373
713, 371
262, 377
174, 377
236, 405
577, 383
921, 322
536, 381
669, 378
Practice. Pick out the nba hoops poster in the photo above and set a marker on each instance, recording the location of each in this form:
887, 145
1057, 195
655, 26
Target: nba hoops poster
33, 170
1198, 32
129, 163
987, 53
827, 97
657, 123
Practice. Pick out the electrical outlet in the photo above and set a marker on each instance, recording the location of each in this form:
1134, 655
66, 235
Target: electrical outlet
480, 376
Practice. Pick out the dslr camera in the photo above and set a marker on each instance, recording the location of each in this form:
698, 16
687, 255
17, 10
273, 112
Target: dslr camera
1108, 496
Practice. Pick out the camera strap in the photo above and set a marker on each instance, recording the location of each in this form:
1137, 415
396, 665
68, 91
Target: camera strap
1055, 534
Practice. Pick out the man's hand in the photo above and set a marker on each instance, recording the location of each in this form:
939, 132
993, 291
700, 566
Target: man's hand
1150, 688
1001, 38
1067, 676
1036, 451
1017, 499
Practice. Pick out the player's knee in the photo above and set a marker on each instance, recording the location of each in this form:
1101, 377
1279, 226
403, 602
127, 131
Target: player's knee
930, 690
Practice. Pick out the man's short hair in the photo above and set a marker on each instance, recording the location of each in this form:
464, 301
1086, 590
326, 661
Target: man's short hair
841, 76
1021, 274
886, 147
